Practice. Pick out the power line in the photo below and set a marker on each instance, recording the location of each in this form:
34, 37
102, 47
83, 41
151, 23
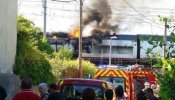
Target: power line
141, 13
136, 10
95, 15
83, 10
108, 7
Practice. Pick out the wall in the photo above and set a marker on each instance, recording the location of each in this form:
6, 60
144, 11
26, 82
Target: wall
8, 34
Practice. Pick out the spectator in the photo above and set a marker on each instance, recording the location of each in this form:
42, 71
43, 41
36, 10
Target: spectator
109, 94
3, 94
141, 95
26, 93
147, 85
150, 94
88, 94
54, 95
119, 92
155, 89
43, 91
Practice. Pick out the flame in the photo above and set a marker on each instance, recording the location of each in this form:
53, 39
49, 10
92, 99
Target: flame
75, 32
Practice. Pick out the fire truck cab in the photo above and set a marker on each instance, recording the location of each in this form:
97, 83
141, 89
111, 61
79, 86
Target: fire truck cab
115, 76
138, 79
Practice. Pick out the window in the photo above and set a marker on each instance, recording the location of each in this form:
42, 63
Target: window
119, 81
115, 80
74, 91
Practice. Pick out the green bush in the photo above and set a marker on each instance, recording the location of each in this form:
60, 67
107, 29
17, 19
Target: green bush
69, 68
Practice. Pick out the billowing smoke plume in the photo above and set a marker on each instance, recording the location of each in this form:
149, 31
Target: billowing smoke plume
122, 16
100, 13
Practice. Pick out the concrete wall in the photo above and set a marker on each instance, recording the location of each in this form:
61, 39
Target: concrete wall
11, 84
8, 34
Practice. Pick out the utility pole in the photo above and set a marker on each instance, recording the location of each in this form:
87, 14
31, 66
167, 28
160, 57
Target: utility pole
110, 51
45, 14
80, 41
164, 39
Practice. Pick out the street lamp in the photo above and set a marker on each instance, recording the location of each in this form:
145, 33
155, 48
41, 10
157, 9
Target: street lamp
110, 48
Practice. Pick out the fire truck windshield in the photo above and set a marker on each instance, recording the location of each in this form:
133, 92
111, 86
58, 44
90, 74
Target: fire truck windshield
115, 80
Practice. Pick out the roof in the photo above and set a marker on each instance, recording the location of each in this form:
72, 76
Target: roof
134, 37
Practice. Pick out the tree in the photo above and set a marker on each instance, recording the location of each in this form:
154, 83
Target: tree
30, 60
64, 53
167, 75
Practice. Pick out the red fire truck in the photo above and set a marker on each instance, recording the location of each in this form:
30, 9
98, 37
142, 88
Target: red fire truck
132, 81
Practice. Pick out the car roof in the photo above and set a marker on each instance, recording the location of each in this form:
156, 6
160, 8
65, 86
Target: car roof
83, 81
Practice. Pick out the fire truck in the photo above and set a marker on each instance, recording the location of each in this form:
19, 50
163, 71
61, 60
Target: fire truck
132, 81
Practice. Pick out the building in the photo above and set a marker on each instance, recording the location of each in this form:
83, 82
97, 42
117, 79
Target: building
8, 34
112, 49
8, 39
125, 50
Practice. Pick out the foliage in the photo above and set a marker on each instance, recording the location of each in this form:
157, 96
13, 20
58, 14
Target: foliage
167, 80
64, 67
43, 44
30, 61
64, 53
167, 74
69, 68
153, 51
36, 59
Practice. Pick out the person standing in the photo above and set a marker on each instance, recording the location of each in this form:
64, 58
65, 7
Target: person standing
88, 94
150, 94
26, 93
141, 95
43, 91
109, 94
146, 85
54, 95
119, 92
3, 94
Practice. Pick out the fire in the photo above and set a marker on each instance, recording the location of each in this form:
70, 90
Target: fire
75, 32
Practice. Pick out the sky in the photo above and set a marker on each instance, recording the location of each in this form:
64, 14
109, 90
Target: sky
138, 17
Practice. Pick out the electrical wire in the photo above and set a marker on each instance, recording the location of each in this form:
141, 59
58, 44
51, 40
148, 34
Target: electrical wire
140, 20
140, 13
136, 10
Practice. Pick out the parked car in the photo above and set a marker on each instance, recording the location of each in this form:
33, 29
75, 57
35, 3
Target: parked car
72, 88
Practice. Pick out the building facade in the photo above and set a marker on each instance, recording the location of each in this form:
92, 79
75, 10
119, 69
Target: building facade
111, 49
122, 50
8, 34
